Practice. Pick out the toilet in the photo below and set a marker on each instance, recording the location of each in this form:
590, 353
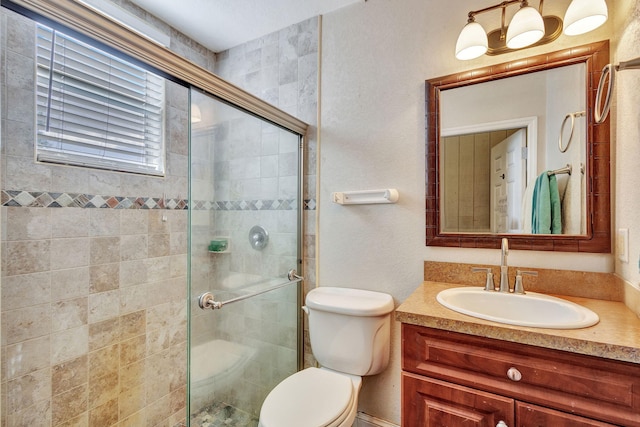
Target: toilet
350, 338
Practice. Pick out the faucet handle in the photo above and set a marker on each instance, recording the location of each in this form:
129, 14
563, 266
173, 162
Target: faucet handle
489, 285
519, 287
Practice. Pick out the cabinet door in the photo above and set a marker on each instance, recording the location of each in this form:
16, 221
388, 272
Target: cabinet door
536, 416
427, 402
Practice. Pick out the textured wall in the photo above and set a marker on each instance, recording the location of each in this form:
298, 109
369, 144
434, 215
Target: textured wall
375, 59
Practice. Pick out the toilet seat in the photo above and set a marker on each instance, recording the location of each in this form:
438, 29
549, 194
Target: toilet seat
312, 397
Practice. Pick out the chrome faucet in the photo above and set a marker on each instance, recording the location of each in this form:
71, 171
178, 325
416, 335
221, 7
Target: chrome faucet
504, 277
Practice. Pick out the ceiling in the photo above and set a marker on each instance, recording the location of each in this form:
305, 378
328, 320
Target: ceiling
222, 24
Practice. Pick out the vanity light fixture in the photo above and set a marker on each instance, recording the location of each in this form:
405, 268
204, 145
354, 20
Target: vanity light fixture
528, 27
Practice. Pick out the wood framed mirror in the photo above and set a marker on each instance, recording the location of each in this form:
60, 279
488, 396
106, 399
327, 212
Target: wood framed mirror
591, 171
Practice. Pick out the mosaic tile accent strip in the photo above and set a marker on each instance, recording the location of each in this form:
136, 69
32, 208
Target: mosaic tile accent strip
41, 199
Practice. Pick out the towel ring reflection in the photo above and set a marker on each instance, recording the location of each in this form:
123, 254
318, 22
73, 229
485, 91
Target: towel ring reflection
600, 116
571, 116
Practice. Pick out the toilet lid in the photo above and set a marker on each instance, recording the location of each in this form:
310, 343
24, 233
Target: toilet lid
311, 397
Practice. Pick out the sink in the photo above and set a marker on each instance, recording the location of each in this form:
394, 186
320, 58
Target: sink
531, 309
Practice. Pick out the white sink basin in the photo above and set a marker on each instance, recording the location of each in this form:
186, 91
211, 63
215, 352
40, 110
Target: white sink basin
532, 309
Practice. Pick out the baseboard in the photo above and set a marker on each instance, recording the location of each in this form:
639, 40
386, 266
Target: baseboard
364, 420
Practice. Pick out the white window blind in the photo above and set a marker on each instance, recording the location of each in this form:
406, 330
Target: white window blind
96, 109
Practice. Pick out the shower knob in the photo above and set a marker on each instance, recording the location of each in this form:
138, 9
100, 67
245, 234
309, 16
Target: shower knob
258, 237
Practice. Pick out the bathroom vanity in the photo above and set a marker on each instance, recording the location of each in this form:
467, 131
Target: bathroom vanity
459, 370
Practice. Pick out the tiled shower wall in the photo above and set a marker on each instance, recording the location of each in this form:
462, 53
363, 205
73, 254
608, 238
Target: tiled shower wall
94, 292
282, 68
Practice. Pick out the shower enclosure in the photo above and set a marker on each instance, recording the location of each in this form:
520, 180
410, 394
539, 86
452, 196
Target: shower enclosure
244, 239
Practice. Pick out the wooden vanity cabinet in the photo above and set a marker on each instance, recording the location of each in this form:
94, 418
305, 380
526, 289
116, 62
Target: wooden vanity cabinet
453, 379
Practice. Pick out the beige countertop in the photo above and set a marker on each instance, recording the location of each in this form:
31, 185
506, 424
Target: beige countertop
616, 336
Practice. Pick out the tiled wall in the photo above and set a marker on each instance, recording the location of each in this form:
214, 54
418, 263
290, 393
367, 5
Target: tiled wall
94, 292
282, 68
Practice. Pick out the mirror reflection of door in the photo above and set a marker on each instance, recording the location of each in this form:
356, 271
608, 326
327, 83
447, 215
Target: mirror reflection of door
476, 202
508, 178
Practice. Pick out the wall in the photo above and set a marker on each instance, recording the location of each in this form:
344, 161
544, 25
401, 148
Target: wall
627, 134
93, 271
375, 59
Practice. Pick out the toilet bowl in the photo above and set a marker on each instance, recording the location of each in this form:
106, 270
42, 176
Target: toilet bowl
350, 337
315, 397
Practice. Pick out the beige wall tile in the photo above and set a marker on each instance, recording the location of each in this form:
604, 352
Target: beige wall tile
104, 277
133, 247
69, 222
104, 250
131, 401
69, 253
159, 245
70, 283
133, 324
37, 414
133, 298
69, 405
25, 257
133, 273
26, 357
134, 221
104, 415
26, 290
104, 222
102, 390
28, 223
133, 350
105, 333
26, 323
28, 390
69, 344
104, 305
68, 314
133, 376
81, 420
68, 375
104, 362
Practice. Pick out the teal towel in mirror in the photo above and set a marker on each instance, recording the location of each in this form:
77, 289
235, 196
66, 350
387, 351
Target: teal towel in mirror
546, 217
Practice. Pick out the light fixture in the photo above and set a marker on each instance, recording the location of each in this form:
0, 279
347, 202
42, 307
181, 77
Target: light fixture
472, 41
583, 16
528, 27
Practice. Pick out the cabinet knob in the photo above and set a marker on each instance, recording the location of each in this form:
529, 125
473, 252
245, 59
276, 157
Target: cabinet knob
514, 375
501, 424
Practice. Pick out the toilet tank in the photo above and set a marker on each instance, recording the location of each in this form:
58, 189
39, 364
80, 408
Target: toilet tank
350, 329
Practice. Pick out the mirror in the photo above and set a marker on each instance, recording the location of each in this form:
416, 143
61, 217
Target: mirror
494, 155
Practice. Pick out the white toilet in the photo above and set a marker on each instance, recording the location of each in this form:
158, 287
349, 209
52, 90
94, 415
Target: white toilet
349, 331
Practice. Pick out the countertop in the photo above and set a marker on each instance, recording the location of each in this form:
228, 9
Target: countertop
616, 336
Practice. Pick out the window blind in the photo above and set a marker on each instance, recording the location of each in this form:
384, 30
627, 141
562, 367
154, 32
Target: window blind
96, 109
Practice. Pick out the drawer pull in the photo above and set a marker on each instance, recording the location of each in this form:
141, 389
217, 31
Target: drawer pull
501, 424
514, 375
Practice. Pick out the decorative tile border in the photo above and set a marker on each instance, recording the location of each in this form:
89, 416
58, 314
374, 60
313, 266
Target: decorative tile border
42, 199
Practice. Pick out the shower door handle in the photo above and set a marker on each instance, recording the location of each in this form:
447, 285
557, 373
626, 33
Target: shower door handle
207, 300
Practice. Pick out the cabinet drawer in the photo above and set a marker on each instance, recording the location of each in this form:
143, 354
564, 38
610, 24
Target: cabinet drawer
598, 388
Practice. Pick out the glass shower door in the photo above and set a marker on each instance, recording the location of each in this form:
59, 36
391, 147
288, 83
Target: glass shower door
245, 222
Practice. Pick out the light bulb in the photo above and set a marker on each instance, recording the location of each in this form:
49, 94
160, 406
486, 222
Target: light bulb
583, 16
472, 41
526, 28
